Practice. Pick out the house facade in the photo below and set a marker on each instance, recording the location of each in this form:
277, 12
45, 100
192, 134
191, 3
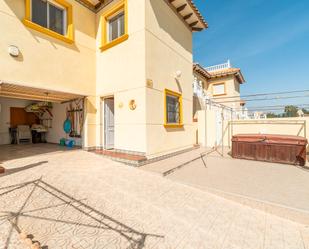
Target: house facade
216, 101
219, 85
123, 67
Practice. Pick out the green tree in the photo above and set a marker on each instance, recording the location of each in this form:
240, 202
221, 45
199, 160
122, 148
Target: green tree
272, 115
290, 111
305, 111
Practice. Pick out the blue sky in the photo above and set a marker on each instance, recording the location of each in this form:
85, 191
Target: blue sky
267, 39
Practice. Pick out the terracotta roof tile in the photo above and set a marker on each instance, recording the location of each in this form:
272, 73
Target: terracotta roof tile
228, 71
197, 68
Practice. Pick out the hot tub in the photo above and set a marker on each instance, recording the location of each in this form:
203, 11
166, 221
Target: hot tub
270, 148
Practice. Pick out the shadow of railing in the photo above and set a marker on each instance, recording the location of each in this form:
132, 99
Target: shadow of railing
16, 170
134, 238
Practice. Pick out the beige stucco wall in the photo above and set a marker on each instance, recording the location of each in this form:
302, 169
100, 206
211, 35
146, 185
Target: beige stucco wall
232, 88
121, 73
155, 33
46, 62
168, 49
279, 128
159, 44
207, 127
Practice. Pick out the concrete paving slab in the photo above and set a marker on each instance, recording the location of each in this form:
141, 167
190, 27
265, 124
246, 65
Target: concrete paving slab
80, 200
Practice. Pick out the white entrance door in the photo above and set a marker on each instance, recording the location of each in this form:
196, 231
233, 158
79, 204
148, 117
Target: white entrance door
109, 124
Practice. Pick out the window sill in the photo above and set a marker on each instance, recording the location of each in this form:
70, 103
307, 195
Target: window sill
218, 95
173, 125
46, 31
114, 42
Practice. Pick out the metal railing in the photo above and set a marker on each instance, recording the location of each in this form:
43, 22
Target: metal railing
219, 66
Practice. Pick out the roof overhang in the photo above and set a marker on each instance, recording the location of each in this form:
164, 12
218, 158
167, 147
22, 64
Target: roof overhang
16, 91
198, 69
189, 14
185, 9
236, 72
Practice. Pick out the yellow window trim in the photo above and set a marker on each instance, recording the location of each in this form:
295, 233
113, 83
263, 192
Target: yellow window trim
173, 125
105, 44
69, 37
212, 89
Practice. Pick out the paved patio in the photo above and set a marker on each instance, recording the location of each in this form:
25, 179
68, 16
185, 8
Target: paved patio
76, 199
281, 184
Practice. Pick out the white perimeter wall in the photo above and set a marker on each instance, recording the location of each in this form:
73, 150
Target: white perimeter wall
207, 128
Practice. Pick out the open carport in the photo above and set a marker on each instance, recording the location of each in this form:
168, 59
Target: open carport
30, 116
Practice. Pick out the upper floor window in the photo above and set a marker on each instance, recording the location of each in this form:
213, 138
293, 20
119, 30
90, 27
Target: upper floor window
49, 15
218, 89
114, 23
116, 26
52, 17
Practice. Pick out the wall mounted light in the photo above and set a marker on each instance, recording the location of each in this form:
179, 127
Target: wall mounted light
178, 74
13, 51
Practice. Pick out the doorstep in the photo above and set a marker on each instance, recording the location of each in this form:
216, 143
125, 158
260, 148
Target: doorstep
124, 157
139, 159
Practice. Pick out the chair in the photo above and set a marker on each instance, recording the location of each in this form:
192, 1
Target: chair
24, 134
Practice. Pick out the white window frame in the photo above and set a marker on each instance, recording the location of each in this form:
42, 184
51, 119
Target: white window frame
50, 2
122, 11
219, 85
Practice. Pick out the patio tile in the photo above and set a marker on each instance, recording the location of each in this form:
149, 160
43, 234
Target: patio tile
85, 201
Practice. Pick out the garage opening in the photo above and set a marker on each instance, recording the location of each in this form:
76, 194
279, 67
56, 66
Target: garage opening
35, 116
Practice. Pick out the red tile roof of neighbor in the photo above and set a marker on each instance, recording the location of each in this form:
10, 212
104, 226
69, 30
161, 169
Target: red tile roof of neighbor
228, 71
197, 68
218, 73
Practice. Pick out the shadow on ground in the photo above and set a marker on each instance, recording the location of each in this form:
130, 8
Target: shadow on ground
76, 216
19, 169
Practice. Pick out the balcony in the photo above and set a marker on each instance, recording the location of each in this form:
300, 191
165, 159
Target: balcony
219, 67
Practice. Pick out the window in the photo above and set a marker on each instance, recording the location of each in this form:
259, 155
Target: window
218, 89
114, 25
173, 109
52, 17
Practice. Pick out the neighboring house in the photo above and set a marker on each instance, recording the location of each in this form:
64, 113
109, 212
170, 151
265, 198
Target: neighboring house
130, 61
216, 101
218, 85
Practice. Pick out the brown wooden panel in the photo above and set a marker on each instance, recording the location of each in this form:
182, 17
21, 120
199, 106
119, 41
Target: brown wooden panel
270, 148
18, 116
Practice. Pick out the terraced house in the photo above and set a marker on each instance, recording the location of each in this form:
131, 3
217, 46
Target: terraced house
120, 70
